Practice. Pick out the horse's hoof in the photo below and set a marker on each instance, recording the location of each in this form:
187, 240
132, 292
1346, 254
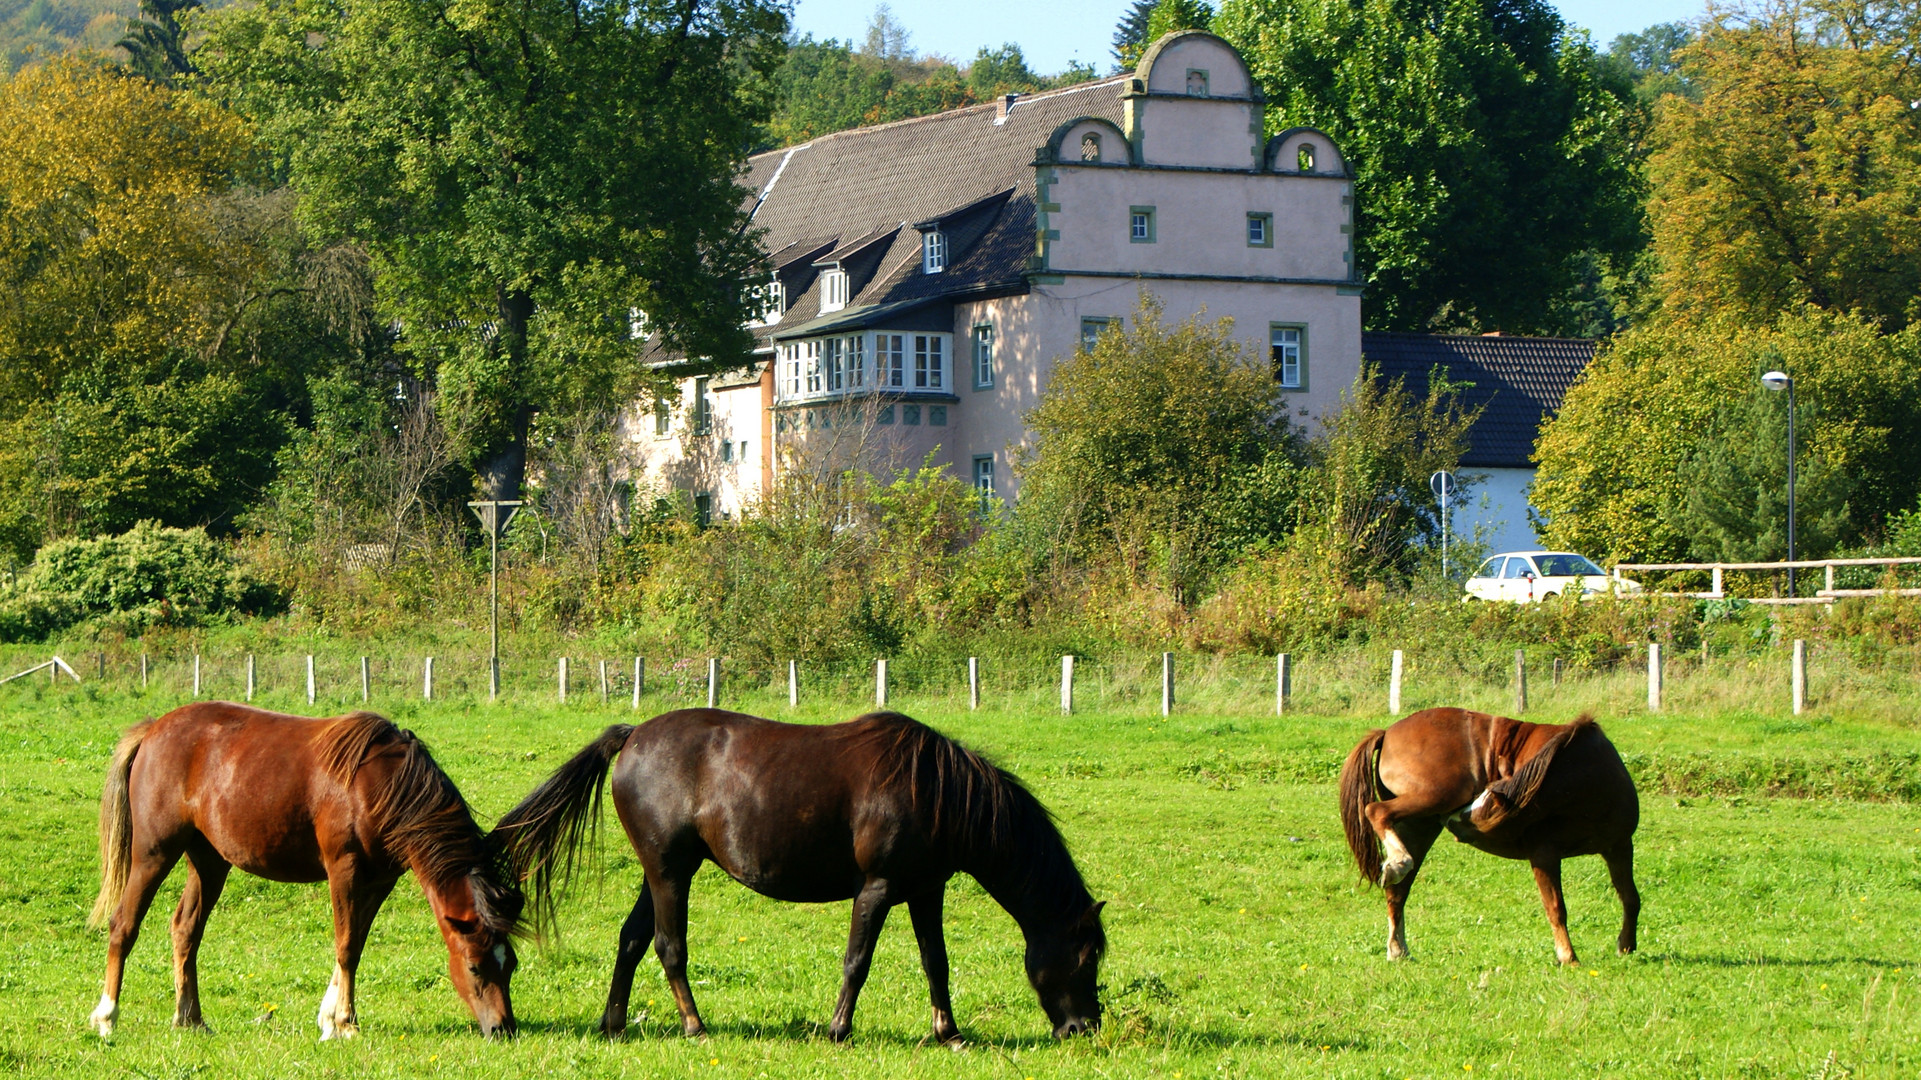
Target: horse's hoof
839, 1034
103, 1016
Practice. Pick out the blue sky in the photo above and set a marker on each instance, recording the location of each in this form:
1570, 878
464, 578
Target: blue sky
1052, 32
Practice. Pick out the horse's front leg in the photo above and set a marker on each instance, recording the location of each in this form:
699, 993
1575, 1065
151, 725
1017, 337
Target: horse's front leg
1547, 876
357, 896
926, 910
207, 878
870, 914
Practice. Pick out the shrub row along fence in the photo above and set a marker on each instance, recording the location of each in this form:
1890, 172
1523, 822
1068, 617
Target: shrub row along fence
1320, 684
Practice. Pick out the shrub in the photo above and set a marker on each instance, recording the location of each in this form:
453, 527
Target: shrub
148, 576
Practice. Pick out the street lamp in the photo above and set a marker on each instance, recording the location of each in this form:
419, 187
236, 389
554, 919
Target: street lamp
1781, 380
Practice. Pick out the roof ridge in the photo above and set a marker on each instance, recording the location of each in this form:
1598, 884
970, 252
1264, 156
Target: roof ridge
944, 114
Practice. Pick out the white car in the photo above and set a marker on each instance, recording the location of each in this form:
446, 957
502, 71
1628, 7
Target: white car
1524, 577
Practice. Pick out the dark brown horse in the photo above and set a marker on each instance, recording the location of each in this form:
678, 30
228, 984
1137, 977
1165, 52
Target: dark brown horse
880, 810
351, 800
1540, 792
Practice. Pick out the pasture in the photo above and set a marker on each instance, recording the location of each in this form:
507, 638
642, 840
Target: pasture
1778, 938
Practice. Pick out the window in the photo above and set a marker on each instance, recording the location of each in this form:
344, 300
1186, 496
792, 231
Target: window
790, 369
703, 408
933, 252
703, 509
663, 416
1568, 566
1260, 230
1092, 329
638, 326
1490, 568
890, 359
1304, 158
983, 356
1091, 148
1518, 568
810, 365
1289, 348
984, 479
1140, 227
727, 450
1196, 82
833, 290
768, 301
928, 362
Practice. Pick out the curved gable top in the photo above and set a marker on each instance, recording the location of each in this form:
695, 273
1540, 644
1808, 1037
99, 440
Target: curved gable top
1066, 142
1305, 151
1165, 66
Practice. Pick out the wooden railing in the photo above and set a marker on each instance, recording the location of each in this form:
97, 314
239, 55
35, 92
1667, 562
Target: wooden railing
1827, 594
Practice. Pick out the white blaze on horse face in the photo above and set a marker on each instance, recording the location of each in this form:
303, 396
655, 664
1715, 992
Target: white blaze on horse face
104, 1014
1399, 860
500, 956
1480, 800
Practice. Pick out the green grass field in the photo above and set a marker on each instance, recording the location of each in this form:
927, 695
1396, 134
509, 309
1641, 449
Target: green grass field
1778, 939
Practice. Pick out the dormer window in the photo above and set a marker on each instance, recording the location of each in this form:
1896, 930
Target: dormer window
1091, 148
833, 290
638, 327
1196, 83
768, 302
933, 252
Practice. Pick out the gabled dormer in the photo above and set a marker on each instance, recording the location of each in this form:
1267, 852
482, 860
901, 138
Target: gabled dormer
847, 269
947, 236
1193, 102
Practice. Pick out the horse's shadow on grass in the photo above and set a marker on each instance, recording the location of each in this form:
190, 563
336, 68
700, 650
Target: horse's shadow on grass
800, 1030
1718, 960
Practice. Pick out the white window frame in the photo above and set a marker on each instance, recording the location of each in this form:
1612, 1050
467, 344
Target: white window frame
983, 342
848, 364
1287, 346
933, 251
984, 478
833, 290
929, 361
890, 360
1099, 324
769, 300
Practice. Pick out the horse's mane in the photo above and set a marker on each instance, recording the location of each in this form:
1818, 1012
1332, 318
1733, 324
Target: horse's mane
422, 818
1505, 798
979, 814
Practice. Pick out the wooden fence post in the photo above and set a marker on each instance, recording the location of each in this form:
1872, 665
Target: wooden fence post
713, 682
1800, 676
100, 669
1067, 685
1167, 683
880, 684
310, 679
793, 684
1394, 685
249, 676
603, 682
366, 680
1654, 676
427, 679
640, 679
974, 682
1283, 682
196, 676
143, 671
1557, 671
561, 680
1520, 682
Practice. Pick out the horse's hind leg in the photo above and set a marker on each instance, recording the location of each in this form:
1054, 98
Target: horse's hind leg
207, 876
149, 869
1621, 872
926, 911
870, 914
1418, 835
1547, 876
670, 944
635, 933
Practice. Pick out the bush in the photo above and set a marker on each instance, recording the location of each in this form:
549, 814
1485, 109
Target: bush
146, 577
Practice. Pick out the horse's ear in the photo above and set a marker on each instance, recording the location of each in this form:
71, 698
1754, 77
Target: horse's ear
1093, 914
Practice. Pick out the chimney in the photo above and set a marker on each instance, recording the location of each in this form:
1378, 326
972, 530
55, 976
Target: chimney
1006, 106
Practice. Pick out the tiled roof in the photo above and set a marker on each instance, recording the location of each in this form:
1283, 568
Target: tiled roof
972, 166
1519, 380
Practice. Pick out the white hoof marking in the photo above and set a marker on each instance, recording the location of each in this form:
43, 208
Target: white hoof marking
329, 1024
1399, 861
104, 1014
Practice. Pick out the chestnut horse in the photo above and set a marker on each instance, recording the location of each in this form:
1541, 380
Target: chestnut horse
350, 800
1540, 792
880, 810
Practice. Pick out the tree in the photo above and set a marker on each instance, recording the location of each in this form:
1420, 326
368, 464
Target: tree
523, 176
1736, 507
886, 37
1490, 154
1796, 178
156, 46
1143, 444
1650, 61
1150, 20
1130, 34
1636, 436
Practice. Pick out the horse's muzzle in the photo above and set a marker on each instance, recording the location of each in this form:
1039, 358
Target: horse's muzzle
1076, 1026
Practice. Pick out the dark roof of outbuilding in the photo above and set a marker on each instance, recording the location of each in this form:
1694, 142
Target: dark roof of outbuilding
972, 168
1519, 381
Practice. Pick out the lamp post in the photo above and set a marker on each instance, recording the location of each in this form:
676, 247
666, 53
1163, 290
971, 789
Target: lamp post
1781, 380
494, 514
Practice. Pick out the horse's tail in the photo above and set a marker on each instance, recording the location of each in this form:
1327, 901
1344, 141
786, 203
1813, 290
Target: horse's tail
116, 827
1505, 798
544, 836
1360, 782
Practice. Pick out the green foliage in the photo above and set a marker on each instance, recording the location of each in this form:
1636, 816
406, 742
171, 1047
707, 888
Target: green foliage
1650, 62
156, 46
1149, 21
1614, 477
523, 176
1130, 34
39, 29
1137, 443
1736, 483
146, 577
1796, 177
1493, 161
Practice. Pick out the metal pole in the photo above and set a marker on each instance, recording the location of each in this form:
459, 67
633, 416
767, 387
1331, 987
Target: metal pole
1790, 485
1167, 683
143, 671
493, 607
196, 676
1444, 538
974, 682
603, 682
1283, 682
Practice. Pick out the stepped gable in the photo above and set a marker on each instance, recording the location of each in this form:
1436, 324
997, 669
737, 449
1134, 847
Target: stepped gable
973, 167
1518, 381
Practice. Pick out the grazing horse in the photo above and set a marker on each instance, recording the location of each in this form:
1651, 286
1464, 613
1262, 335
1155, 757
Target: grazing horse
1540, 792
351, 800
880, 810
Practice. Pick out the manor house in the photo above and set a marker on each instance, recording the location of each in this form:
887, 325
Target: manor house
928, 274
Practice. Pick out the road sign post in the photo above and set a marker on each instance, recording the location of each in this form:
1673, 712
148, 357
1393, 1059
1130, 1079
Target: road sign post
1442, 484
489, 511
